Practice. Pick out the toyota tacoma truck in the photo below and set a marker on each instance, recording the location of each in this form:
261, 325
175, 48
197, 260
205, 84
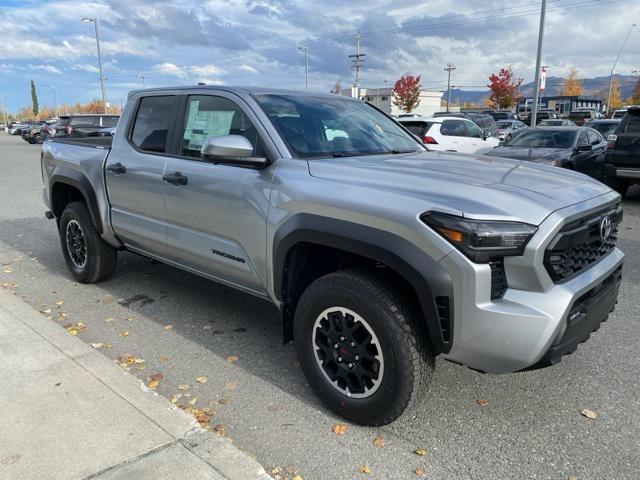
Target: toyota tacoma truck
379, 254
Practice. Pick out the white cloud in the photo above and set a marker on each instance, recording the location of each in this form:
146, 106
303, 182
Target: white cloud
247, 68
167, 68
85, 67
206, 70
46, 68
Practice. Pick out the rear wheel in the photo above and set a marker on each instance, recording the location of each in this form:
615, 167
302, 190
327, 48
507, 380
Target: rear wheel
620, 186
89, 258
355, 336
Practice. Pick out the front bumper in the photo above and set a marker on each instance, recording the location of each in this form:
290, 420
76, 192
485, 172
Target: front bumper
527, 326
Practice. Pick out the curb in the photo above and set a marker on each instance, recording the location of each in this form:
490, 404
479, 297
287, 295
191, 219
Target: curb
217, 452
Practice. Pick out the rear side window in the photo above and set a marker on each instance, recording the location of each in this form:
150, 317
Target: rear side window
110, 121
417, 128
63, 122
152, 123
633, 124
85, 121
453, 128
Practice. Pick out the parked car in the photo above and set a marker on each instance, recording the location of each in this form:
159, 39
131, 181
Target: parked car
556, 122
485, 121
606, 127
506, 128
379, 254
622, 162
580, 117
503, 115
19, 128
576, 148
35, 134
541, 115
82, 125
452, 134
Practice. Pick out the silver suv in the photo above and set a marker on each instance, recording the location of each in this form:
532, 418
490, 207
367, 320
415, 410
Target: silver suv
379, 254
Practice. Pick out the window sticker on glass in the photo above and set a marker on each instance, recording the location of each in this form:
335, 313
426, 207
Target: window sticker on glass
204, 124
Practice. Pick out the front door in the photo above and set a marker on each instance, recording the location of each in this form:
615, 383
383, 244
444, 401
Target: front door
134, 172
217, 214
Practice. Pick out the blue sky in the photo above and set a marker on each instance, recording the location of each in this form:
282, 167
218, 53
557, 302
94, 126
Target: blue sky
254, 42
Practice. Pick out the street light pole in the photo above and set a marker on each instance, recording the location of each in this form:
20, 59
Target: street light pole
141, 75
104, 97
536, 92
55, 98
614, 66
306, 66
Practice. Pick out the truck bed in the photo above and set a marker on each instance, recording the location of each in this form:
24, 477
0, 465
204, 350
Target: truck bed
93, 142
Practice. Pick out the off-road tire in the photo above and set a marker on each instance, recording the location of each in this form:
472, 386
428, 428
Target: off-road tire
394, 317
101, 258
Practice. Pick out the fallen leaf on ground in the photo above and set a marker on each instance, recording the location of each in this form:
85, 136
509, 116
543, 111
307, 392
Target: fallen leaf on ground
219, 429
168, 327
193, 401
272, 408
97, 345
124, 333
157, 376
7, 270
126, 359
48, 310
364, 469
339, 429
152, 384
207, 327
482, 403
572, 477
75, 329
230, 386
421, 452
163, 358
232, 358
297, 477
420, 472
60, 302
110, 319
589, 413
183, 386
378, 441
224, 401
201, 379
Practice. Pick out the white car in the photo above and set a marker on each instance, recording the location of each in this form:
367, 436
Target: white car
451, 134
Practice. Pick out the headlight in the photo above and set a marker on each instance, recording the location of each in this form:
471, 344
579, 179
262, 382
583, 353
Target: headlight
554, 163
481, 240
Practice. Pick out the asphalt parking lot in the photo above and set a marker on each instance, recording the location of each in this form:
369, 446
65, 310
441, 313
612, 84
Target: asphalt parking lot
185, 327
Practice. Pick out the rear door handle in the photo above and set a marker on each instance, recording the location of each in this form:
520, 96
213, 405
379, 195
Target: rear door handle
175, 178
117, 168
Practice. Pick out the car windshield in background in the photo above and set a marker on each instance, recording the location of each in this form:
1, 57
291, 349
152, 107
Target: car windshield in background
320, 126
504, 124
544, 139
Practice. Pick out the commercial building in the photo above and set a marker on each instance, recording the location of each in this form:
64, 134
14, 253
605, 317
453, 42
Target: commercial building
562, 104
382, 98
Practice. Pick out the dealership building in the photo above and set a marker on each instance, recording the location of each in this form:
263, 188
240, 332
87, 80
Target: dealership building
430, 102
562, 104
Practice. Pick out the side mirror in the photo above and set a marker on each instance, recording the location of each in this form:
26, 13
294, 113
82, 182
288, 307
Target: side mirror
584, 148
486, 135
231, 150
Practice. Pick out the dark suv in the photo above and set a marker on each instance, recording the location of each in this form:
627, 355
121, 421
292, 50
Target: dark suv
81, 125
622, 160
580, 117
540, 116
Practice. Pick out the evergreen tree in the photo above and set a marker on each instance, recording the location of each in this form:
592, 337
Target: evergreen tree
34, 99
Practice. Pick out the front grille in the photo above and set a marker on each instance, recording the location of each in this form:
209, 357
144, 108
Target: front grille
580, 244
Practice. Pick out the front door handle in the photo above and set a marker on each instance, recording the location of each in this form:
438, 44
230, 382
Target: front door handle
117, 168
175, 178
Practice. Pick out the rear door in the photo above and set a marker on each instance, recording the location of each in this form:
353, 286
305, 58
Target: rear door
627, 147
217, 219
134, 172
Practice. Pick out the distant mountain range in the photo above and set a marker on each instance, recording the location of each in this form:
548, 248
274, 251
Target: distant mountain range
597, 86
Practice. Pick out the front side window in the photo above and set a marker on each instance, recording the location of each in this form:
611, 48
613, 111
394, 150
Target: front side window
473, 130
152, 123
211, 116
594, 138
323, 126
633, 125
583, 139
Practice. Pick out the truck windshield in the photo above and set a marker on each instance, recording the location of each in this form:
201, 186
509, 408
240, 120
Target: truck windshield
534, 138
321, 127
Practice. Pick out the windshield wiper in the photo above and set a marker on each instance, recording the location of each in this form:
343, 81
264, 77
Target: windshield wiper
397, 151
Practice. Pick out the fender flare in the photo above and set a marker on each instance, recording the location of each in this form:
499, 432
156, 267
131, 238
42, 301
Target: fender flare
77, 180
426, 276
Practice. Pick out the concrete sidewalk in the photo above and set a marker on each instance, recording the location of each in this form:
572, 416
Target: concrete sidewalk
68, 412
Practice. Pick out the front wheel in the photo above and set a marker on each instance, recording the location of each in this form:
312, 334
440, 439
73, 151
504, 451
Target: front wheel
355, 336
89, 258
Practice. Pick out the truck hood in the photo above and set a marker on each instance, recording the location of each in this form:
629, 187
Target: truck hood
540, 155
469, 185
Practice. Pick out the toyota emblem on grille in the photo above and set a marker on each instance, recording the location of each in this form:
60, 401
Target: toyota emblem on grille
605, 227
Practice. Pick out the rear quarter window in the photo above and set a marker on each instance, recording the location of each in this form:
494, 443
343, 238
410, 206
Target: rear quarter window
633, 124
417, 128
110, 121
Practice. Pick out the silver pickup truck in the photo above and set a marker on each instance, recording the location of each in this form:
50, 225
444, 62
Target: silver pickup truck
379, 254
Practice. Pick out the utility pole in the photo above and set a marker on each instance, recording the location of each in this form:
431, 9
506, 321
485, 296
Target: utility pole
6, 123
614, 66
141, 76
357, 62
306, 66
95, 24
449, 69
536, 88
517, 99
